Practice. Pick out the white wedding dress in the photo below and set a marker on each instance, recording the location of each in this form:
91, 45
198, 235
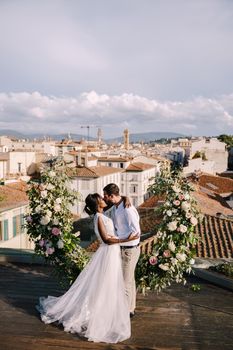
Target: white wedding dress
95, 306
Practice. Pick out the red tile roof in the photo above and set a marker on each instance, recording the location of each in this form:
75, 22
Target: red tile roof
216, 238
93, 172
13, 195
217, 184
139, 167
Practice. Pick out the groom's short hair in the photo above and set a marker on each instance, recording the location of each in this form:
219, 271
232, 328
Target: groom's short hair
112, 189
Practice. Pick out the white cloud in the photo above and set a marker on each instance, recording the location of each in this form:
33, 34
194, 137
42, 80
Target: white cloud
36, 112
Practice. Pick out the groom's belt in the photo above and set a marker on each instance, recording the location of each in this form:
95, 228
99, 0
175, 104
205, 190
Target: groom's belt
129, 246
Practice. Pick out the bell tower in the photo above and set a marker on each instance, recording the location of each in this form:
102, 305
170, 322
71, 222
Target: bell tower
126, 139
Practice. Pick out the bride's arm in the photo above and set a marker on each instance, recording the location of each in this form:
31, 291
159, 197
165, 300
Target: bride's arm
109, 239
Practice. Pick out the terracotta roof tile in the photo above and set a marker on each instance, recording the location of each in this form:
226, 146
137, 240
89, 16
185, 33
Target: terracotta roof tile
105, 170
113, 159
82, 172
216, 238
13, 194
94, 172
217, 184
139, 167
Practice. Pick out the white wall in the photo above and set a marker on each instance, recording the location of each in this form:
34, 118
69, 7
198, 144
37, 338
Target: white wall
24, 158
21, 240
198, 164
3, 168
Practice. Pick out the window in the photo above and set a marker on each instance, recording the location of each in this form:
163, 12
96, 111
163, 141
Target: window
133, 189
121, 165
19, 167
18, 221
109, 164
5, 230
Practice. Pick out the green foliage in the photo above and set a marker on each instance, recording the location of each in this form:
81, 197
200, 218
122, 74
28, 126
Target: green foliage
49, 222
228, 139
173, 251
199, 154
225, 268
195, 287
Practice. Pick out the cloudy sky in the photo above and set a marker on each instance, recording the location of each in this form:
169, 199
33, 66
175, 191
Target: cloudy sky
148, 65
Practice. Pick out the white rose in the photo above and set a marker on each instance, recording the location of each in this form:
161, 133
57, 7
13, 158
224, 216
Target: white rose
37, 209
55, 221
159, 234
188, 215
192, 261
52, 173
186, 196
172, 246
185, 206
57, 207
60, 244
44, 220
58, 200
164, 267
172, 226
43, 194
77, 234
193, 221
169, 213
183, 228
48, 213
50, 187
181, 257
174, 261
176, 189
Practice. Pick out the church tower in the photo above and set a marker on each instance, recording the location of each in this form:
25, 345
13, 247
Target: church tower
126, 139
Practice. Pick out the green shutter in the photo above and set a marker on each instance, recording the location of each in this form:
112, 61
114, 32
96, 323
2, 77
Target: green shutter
22, 222
14, 226
6, 230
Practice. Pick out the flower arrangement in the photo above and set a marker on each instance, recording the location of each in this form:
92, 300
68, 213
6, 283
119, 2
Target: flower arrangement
174, 248
49, 222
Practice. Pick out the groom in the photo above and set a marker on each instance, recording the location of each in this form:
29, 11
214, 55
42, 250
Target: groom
126, 221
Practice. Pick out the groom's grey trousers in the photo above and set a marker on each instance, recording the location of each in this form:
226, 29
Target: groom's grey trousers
130, 258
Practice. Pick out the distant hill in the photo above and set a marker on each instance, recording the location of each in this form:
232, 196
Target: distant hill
11, 133
41, 136
145, 137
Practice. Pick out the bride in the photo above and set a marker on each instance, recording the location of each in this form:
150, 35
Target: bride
95, 306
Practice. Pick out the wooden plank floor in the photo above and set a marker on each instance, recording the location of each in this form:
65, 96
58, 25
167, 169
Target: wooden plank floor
177, 318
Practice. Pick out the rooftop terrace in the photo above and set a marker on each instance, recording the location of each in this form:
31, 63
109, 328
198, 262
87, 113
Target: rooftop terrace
177, 318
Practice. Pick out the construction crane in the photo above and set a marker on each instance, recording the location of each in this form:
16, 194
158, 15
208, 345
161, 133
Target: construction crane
88, 129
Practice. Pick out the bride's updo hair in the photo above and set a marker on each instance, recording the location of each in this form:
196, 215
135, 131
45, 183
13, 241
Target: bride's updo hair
92, 201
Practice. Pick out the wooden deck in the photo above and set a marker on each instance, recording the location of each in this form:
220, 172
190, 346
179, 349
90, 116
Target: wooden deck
177, 318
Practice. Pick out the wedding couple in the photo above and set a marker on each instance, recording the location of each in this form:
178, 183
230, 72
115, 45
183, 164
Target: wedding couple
100, 302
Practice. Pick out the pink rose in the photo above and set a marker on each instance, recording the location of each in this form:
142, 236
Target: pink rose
181, 197
41, 243
153, 260
166, 253
56, 231
176, 202
29, 219
50, 250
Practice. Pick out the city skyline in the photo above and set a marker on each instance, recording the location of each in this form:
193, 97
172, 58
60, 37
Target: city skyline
146, 66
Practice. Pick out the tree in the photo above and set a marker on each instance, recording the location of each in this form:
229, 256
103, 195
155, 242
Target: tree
228, 139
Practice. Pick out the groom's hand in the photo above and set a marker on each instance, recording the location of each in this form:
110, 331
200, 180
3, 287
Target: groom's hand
133, 236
